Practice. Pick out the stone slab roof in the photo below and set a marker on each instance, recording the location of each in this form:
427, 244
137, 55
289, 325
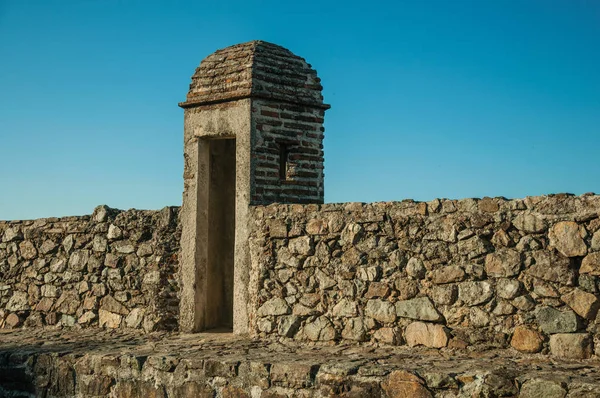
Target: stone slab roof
255, 69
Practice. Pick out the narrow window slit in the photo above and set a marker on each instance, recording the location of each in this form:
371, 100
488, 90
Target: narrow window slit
283, 161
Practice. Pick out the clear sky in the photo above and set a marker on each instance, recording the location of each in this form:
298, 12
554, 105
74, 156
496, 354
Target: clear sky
463, 98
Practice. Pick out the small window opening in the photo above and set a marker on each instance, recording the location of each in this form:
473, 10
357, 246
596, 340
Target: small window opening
283, 161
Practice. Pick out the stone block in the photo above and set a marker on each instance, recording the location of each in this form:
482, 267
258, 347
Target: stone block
503, 263
420, 308
538, 388
302, 245
552, 320
354, 329
27, 250
109, 319
380, 310
571, 345
448, 274
567, 238
527, 340
275, 306
530, 223
389, 336
585, 304
427, 334
293, 375
475, 293
403, 384
552, 267
591, 264
321, 329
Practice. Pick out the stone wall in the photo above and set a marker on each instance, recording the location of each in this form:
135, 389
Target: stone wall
111, 269
92, 363
468, 273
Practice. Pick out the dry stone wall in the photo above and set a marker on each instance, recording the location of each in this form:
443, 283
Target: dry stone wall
112, 269
470, 273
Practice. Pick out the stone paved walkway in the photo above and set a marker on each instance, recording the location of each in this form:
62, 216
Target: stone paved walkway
92, 362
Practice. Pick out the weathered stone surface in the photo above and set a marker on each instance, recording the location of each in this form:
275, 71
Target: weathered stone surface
380, 310
27, 250
427, 334
449, 274
18, 302
320, 329
536, 388
421, 309
68, 302
475, 293
552, 320
101, 213
503, 263
78, 260
595, 243
508, 288
585, 304
591, 264
377, 289
117, 363
124, 247
86, 318
351, 234
527, 340
234, 392
354, 329
478, 318
45, 304
544, 289
275, 306
567, 238
12, 321
473, 247
524, 303
444, 294
571, 345
99, 243
302, 245
295, 375
552, 267
415, 268
12, 235
325, 281
109, 304
402, 384
135, 317
488, 205
317, 226
345, 308
114, 232
530, 223
406, 288
289, 325
109, 320
387, 336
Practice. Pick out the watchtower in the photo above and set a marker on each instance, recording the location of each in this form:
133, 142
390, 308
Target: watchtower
253, 134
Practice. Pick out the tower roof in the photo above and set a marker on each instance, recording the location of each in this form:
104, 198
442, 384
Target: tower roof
256, 69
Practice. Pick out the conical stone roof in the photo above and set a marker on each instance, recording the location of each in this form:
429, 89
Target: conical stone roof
256, 69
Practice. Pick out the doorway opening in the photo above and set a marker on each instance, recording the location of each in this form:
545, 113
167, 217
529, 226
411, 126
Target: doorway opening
220, 242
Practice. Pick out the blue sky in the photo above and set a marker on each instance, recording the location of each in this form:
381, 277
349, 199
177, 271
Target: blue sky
464, 98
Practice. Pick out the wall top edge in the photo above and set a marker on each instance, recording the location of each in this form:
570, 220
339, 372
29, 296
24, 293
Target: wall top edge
465, 203
99, 214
